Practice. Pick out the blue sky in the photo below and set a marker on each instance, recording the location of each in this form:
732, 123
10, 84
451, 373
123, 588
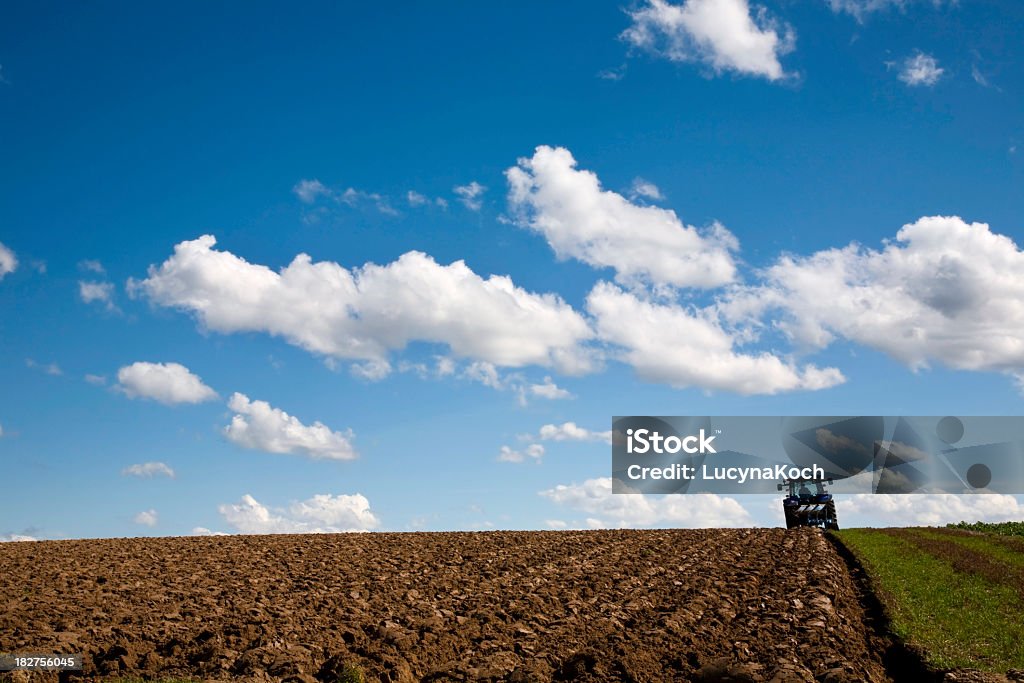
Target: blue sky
709, 207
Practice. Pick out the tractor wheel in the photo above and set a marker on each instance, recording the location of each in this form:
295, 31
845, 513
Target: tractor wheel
832, 521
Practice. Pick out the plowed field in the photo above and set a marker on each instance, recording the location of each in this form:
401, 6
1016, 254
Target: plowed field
745, 605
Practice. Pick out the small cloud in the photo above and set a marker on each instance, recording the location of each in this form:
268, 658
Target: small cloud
616, 74
8, 261
920, 70
556, 523
92, 266
371, 370
549, 390
569, 431
96, 380
470, 195
646, 189
534, 450
203, 531
309, 190
97, 292
167, 383
146, 518
51, 369
148, 470
321, 514
260, 426
417, 199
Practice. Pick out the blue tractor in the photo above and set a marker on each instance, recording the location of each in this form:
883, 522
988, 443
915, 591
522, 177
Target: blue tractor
808, 503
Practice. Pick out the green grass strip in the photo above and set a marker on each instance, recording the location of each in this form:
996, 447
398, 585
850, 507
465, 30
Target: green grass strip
959, 620
981, 544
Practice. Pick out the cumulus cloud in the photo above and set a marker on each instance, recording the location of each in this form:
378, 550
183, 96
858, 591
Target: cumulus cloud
97, 292
570, 431
920, 70
203, 531
260, 426
168, 383
364, 314
689, 348
470, 195
8, 261
725, 35
148, 470
945, 290
323, 513
549, 390
534, 451
308, 191
594, 497
644, 244
147, 518
938, 509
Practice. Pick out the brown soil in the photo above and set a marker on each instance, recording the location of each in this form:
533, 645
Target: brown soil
673, 605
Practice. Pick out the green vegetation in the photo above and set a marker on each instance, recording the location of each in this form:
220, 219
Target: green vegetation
958, 617
350, 673
1000, 528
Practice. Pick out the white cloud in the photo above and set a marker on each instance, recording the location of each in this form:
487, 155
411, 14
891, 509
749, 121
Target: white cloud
549, 390
323, 513
866, 509
49, 368
13, 538
101, 292
148, 470
371, 370
1, 430
644, 188
944, 290
721, 34
308, 191
147, 518
92, 266
860, 9
365, 313
595, 497
96, 380
416, 199
203, 531
353, 197
570, 431
581, 220
470, 195
671, 344
8, 261
168, 383
260, 426
921, 69
556, 523
534, 450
